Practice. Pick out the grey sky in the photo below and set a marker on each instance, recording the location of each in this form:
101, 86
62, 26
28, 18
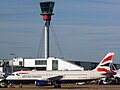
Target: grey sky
87, 29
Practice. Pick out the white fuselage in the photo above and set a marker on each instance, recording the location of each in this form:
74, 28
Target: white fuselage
67, 75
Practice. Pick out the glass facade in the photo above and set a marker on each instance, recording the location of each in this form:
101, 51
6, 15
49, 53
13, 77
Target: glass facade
47, 7
54, 64
40, 62
20, 63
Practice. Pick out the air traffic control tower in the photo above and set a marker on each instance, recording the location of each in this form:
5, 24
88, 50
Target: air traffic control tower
47, 12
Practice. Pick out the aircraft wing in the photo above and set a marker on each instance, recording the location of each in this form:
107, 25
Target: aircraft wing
54, 78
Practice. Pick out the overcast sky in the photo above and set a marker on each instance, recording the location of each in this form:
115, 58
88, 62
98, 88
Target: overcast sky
86, 29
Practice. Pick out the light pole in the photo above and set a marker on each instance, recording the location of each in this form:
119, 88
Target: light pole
12, 54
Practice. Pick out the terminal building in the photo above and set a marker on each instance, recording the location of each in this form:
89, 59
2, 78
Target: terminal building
52, 63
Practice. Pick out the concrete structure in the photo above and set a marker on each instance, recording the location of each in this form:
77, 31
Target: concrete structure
51, 63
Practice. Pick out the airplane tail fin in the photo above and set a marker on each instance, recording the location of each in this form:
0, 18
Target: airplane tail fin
104, 65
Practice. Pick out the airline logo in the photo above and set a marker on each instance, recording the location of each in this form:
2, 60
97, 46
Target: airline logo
103, 70
104, 65
110, 58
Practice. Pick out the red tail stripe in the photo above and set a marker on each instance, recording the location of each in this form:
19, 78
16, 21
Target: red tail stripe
102, 69
108, 59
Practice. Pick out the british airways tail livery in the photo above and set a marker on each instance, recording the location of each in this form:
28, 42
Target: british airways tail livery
104, 65
55, 78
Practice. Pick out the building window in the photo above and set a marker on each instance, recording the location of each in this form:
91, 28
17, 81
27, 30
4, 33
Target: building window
20, 63
54, 64
40, 62
0, 63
